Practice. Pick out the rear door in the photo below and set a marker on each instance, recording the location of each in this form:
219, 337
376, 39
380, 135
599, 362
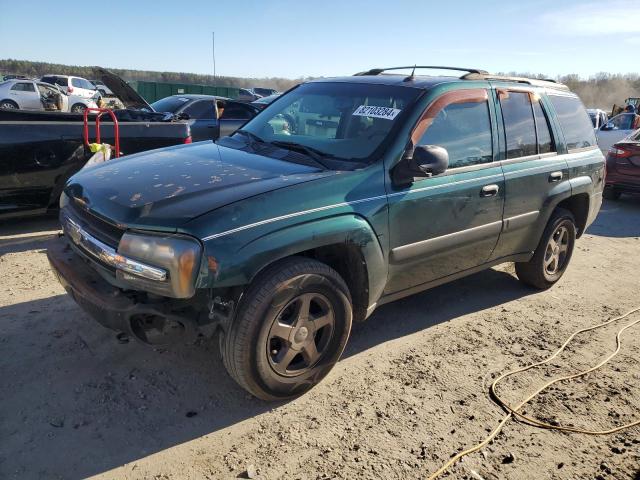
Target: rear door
443, 225
534, 172
235, 114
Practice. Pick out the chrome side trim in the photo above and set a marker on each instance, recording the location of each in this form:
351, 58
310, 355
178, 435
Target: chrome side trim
522, 220
345, 204
449, 240
104, 253
443, 185
291, 215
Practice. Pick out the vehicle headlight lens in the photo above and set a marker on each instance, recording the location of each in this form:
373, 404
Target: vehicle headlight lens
179, 255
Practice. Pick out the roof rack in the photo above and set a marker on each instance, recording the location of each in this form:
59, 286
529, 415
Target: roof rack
546, 82
474, 74
378, 71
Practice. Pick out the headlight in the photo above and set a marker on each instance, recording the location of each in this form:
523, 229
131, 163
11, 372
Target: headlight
179, 255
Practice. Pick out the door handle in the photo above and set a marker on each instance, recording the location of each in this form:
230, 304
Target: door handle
555, 176
489, 190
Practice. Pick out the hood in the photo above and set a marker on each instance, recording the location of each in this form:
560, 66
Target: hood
121, 89
164, 189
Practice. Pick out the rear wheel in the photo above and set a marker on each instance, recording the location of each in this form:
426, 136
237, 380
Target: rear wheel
290, 329
78, 108
610, 193
551, 258
9, 105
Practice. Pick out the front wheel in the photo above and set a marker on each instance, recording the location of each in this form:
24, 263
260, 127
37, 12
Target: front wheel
552, 256
9, 105
290, 329
78, 108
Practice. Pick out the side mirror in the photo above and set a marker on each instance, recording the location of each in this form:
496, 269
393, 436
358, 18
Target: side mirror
421, 161
431, 159
608, 126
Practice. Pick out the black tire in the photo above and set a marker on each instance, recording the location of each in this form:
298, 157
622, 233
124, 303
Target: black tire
253, 348
537, 272
610, 193
78, 108
9, 105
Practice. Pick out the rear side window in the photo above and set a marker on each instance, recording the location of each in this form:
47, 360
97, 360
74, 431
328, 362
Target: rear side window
464, 130
519, 126
53, 80
545, 142
202, 109
78, 82
574, 121
23, 87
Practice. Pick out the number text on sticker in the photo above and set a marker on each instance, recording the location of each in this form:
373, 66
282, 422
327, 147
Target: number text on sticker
377, 112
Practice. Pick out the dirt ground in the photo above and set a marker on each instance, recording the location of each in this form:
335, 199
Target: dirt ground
410, 391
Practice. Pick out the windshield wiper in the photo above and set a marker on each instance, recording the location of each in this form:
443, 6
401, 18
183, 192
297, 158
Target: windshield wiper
314, 153
254, 139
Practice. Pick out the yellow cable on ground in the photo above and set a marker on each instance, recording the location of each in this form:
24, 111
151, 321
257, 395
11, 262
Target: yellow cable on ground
513, 411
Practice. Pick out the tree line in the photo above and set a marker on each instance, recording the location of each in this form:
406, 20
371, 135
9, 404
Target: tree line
601, 90
38, 69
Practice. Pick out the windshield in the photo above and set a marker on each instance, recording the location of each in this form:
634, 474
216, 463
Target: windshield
169, 104
346, 121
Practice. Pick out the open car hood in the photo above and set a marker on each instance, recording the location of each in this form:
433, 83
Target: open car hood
121, 89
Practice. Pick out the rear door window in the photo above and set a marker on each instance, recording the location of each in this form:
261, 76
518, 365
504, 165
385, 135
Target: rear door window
201, 110
77, 82
574, 121
24, 87
464, 130
519, 125
236, 111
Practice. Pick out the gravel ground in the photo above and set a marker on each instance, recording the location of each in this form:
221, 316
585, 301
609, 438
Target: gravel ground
410, 391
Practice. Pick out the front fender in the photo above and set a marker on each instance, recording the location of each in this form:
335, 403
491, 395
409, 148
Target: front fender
241, 266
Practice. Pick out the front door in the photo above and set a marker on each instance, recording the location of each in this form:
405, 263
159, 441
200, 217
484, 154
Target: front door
449, 223
202, 120
615, 130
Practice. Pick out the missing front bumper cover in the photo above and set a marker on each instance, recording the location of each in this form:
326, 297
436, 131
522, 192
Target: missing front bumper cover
151, 323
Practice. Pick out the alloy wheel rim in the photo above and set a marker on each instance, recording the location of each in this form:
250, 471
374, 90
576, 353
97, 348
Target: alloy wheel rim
300, 334
555, 254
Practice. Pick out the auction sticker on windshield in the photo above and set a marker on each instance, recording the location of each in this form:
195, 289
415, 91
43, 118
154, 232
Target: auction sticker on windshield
377, 112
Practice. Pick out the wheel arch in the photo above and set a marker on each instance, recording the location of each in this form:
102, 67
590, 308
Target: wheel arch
9, 100
347, 243
578, 205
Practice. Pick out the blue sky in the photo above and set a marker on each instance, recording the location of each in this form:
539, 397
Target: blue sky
326, 38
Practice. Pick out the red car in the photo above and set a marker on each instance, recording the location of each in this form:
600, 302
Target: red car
623, 167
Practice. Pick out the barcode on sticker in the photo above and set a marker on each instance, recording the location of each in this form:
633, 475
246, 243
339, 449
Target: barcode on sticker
377, 112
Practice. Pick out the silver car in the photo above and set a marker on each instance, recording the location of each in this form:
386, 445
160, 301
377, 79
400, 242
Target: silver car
34, 95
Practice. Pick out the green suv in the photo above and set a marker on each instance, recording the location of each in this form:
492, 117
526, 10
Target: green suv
341, 195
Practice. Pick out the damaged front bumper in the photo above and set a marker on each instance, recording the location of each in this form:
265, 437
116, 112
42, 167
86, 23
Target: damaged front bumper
153, 321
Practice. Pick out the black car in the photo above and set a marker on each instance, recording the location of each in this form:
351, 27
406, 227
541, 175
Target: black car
264, 92
263, 102
210, 117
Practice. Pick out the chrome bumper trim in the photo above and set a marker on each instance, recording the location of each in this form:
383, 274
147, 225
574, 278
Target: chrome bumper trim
108, 255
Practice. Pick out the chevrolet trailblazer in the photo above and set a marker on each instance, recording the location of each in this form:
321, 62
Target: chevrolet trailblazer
341, 195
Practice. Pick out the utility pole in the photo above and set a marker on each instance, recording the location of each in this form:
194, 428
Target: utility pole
213, 51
